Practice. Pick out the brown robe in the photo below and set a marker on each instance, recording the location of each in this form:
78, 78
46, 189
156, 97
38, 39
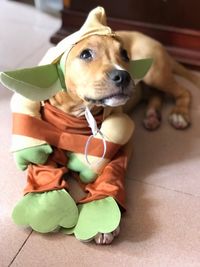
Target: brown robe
68, 133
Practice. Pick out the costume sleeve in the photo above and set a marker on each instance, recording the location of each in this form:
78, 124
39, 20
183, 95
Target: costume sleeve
111, 182
22, 105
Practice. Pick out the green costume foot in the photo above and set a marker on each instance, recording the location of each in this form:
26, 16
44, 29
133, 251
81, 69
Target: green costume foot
45, 212
99, 216
87, 175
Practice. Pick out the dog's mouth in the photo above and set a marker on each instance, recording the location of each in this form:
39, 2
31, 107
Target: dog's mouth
117, 99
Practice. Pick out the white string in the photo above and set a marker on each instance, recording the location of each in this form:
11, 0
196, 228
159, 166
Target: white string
95, 130
91, 121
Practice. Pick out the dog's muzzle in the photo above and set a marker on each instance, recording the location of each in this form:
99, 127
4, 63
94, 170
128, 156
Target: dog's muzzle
121, 78
122, 88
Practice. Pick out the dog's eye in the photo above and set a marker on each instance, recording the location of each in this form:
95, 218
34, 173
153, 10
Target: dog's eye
86, 54
124, 55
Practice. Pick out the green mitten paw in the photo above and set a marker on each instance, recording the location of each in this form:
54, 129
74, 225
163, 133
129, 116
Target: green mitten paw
44, 212
99, 216
87, 175
36, 155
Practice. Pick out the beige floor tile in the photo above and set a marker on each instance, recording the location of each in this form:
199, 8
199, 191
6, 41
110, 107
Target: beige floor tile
12, 46
11, 184
20, 13
26, 46
24, 31
168, 157
160, 228
24, 38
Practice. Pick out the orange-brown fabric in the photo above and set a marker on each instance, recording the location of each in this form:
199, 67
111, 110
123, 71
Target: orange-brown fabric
110, 182
65, 122
62, 131
49, 177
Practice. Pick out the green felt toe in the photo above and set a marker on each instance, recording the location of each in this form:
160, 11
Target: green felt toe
99, 216
44, 212
87, 175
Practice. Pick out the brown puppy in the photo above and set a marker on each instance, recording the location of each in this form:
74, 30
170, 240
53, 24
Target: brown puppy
96, 74
95, 65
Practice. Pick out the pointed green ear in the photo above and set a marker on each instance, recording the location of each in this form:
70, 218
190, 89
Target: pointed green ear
37, 84
139, 68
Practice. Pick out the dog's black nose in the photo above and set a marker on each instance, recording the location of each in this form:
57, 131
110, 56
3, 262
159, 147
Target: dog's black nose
120, 77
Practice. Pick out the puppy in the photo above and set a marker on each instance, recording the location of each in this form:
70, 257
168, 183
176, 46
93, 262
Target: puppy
101, 65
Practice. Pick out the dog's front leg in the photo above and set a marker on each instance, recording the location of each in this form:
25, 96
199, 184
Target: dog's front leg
107, 190
107, 238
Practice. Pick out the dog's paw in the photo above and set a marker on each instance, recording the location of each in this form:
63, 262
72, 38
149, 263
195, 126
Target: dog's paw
152, 120
179, 121
98, 220
107, 238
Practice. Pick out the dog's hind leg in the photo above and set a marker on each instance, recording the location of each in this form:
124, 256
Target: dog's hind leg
180, 117
166, 82
152, 119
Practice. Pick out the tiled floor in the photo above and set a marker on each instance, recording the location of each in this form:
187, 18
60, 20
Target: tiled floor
162, 224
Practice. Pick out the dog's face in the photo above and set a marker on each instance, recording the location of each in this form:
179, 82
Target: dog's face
97, 72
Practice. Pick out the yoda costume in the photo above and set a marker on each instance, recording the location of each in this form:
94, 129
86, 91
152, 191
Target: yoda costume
51, 144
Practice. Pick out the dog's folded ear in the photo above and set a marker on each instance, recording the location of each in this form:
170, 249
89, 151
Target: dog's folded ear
37, 84
139, 68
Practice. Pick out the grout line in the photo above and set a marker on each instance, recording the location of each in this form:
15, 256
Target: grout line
165, 188
20, 249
